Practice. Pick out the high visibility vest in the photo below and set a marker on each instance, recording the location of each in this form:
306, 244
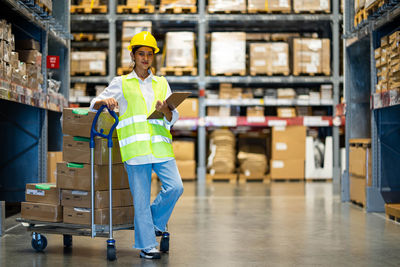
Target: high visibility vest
138, 136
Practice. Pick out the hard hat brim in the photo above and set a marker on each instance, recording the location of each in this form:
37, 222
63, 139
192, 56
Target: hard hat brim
156, 49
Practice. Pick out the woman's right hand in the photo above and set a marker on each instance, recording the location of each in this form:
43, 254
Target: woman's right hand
111, 103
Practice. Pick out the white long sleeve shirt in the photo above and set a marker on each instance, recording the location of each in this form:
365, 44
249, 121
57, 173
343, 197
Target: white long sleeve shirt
114, 90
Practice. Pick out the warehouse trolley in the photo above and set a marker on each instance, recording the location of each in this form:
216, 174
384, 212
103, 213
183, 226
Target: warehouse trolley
38, 228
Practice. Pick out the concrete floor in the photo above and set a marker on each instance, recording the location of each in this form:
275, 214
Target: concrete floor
281, 224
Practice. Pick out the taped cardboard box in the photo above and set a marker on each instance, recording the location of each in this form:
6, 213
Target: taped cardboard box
77, 149
287, 169
269, 58
284, 6
222, 157
289, 142
233, 46
92, 62
183, 150
6, 52
82, 199
311, 56
189, 108
187, 168
78, 122
286, 112
53, 157
28, 44
311, 5
255, 112
357, 190
180, 49
226, 5
131, 28
359, 158
126, 59
30, 57
77, 176
42, 193
41, 212
121, 215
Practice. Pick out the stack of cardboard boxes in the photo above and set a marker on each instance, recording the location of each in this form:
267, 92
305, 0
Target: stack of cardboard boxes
252, 154
283, 6
168, 4
180, 49
189, 108
360, 169
222, 152
311, 56
394, 61
269, 58
185, 159
232, 45
288, 152
226, 6
85, 62
226, 91
311, 6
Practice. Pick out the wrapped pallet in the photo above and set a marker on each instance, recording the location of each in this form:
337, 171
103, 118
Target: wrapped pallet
228, 53
180, 49
222, 152
311, 56
283, 6
174, 4
308, 6
88, 62
226, 6
269, 58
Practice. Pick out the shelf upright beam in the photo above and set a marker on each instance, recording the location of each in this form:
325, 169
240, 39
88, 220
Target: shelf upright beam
201, 133
112, 50
2, 216
336, 89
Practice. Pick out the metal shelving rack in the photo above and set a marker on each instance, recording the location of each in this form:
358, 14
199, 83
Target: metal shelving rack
31, 130
202, 21
363, 120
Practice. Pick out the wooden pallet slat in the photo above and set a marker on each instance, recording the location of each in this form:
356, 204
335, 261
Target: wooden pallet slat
393, 212
241, 73
135, 9
263, 11
231, 177
178, 71
287, 180
88, 9
243, 178
87, 73
300, 73
283, 73
178, 10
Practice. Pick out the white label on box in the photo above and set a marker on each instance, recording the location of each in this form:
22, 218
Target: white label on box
324, 4
281, 146
79, 193
277, 123
247, 173
82, 209
315, 121
255, 119
283, 3
260, 63
280, 128
311, 69
260, 49
35, 192
278, 164
282, 60
96, 65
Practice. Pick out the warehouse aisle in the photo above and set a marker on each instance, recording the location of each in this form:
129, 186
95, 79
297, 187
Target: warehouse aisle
281, 224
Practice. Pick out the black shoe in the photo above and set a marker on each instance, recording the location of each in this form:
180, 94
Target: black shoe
151, 254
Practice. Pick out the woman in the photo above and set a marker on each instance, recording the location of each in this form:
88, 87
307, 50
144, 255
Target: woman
145, 145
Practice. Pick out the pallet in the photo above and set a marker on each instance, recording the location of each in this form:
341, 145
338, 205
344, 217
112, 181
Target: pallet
285, 73
311, 74
289, 180
360, 142
361, 205
227, 11
242, 73
135, 9
231, 177
87, 73
263, 11
88, 9
179, 71
360, 17
374, 8
393, 212
178, 10
324, 11
82, 37
43, 6
263, 178
318, 180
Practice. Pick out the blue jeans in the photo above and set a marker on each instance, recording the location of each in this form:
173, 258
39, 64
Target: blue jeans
149, 218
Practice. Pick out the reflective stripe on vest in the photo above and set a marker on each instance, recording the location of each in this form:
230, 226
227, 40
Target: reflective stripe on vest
138, 136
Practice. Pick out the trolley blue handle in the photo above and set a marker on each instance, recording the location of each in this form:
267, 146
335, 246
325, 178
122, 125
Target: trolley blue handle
94, 133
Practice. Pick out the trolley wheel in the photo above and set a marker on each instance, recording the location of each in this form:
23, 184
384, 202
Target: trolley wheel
111, 252
164, 244
39, 242
67, 241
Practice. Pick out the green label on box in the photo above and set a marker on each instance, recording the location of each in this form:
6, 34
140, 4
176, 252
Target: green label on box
82, 139
80, 111
43, 186
75, 165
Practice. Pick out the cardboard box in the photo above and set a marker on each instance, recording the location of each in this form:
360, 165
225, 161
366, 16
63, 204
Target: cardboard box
233, 46
187, 168
78, 122
311, 56
286, 112
77, 176
41, 212
28, 44
77, 149
226, 5
189, 108
255, 112
269, 58
167, 4
126, 59
183, 150
42, 193
311, 5
82, 199
180, 49
358, 158
92, 62
131, 28
287, 169
270, 5
222, 156
53, 157
6, 52
357, 190
289, 142
252, 163
121, 215
30, 57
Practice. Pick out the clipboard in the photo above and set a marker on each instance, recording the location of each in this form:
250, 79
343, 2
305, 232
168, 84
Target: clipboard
174, 100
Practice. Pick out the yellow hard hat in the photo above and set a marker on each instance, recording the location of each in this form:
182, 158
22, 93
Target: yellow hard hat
144, 39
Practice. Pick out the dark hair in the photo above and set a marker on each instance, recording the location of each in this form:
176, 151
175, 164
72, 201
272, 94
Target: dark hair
135, 48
